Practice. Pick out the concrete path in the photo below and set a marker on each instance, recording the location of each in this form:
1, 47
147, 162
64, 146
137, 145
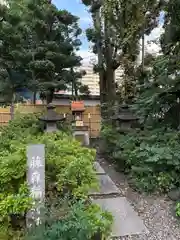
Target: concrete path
126, 220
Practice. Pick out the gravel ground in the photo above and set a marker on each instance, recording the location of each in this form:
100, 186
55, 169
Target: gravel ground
156, 211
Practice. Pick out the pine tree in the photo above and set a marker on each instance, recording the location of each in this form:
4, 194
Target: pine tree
51, 45
11, 54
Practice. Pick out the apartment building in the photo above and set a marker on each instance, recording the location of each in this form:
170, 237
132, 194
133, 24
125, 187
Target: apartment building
92, 80
3, 2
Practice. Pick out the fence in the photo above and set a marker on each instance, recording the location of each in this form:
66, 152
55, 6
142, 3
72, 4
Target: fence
91, 116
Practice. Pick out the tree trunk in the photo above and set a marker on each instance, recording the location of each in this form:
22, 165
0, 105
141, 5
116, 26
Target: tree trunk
33, 78
102, 77
12, 106
110, 80
72, 90
143, 51
34, 97
111, 87
73, 84
49, 96
103, 87
111, 93
75, 90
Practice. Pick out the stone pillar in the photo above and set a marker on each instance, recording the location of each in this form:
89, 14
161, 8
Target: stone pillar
83, 134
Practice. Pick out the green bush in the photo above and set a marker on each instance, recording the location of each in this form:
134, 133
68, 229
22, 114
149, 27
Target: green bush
177, 209
81, 222
18, 129
69, 167
151, 157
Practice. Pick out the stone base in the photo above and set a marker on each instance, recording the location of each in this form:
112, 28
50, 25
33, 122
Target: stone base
83, 136
51, 127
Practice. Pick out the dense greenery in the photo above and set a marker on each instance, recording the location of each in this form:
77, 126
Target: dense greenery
118, 26
151, 159
150, 154
38, 49
69, 172
81, 222
46, 61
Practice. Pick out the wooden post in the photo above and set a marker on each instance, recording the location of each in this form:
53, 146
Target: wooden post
89, 117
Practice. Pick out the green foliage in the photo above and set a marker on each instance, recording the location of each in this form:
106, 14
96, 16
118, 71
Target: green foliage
118, 26
69, 167
150, 157
158, 101
12, 52
14, 203
41, 61
177, 209
52, 43
81, 222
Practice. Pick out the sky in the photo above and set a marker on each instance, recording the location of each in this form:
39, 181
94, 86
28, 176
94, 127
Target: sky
78, 9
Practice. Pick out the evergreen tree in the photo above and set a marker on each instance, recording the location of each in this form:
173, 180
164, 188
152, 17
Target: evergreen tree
12, 54
51, 41
38, 48
159, 98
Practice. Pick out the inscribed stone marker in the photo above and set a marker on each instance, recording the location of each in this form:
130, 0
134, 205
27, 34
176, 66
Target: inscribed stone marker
36, 180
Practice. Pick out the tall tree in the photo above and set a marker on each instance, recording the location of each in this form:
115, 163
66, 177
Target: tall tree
11, 53
118, 27
160, 96
51, 44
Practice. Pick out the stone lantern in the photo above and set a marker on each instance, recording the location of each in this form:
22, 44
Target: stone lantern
125, 119
51, 118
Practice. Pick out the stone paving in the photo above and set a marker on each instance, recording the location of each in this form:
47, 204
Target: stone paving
126, 220
107, 186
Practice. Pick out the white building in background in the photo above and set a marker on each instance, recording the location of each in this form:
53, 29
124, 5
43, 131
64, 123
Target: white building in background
92, 79
119, 75
3, 2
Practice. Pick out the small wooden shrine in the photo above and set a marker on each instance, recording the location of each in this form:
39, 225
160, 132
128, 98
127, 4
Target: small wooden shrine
77, 108
81, 131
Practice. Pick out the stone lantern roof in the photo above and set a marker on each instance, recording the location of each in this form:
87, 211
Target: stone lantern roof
125, 114
51, 115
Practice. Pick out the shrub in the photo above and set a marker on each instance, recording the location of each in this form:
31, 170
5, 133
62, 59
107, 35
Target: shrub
69, 167
177, 209
109, 136
81, 222
151, 157
18, 129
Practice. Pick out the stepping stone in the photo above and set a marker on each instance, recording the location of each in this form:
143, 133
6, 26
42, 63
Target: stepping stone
98, 168
107, 186
126, 220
